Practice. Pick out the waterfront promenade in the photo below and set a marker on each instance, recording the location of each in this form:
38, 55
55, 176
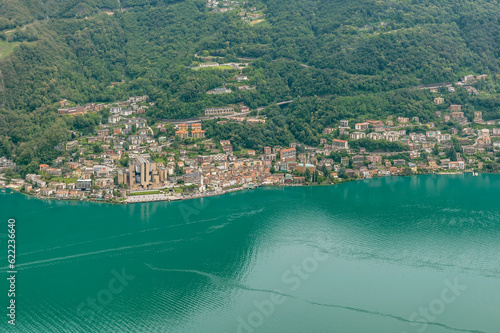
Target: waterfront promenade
152, 197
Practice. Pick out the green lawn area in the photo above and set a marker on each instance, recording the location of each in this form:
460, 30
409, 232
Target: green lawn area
260, 22
144, 193
7, 48
63, 180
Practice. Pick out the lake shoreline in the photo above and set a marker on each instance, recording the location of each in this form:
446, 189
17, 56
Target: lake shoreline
211, 194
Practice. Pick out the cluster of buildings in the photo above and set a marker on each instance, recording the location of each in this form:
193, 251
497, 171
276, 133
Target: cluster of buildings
248, 120
6, 163
125, 108
193, 130
251, 15
133, 156
248, 15
143, 172
246, 87
134, 105
221, 111
99, 176
223, 6
466, 82
225, 111
79, 109
429, 151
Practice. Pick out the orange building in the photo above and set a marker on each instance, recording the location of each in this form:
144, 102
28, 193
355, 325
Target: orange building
183, 134
198, 134
196, 126
44, 167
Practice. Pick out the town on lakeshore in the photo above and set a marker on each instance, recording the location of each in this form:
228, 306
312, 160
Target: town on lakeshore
128, 160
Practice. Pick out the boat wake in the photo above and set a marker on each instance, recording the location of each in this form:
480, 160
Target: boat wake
86, 254
221, 281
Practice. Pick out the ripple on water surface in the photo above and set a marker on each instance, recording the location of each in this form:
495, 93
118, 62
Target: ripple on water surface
358, 257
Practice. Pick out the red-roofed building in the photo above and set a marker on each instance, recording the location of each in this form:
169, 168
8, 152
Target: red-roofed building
288, 155
340, 144
198, 134
183, 134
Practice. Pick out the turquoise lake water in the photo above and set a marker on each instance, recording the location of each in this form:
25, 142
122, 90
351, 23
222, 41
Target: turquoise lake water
403, 255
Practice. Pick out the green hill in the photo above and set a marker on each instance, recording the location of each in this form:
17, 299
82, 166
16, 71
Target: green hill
336, 58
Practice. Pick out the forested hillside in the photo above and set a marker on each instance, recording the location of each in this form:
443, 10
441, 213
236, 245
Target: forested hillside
335, 58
